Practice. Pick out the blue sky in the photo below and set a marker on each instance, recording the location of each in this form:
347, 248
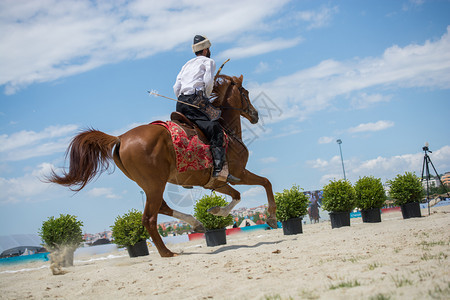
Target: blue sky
375, 74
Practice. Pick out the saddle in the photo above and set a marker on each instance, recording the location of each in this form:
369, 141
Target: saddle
188, 126
192, 129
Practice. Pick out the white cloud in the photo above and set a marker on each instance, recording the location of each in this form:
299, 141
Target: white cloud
284, 133
253, 192
325, 139
26, 144
32, 187
27, 188
43, 149
268, 160
412, 4
318, 18
69, 37
257, 48
377, 126
311, 90
103, 193
321, 164
27, 138
262, 67
364, 100
380, 167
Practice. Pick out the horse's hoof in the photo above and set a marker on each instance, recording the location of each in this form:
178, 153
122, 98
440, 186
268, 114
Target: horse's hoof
199, 228
168, 254
272, 222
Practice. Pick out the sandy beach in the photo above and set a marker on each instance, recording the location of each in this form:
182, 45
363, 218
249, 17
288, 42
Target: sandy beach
394, 259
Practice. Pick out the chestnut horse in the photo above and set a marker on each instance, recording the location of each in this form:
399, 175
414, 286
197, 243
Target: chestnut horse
146, 155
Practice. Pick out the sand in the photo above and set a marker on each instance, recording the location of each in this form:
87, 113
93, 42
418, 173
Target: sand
394, 259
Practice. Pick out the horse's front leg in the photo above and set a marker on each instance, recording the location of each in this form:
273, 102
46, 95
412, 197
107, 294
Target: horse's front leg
225, 211
248, 178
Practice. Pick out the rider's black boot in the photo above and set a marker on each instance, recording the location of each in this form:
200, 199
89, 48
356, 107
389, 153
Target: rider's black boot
218, 154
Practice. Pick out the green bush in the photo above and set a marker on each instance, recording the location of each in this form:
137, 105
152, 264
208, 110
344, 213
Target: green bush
369, 193
64, 231
208, 220
291, 204
406, 188
128, 229
338, 196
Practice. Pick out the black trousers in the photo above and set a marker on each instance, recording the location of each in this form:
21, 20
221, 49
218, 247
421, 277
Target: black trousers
211, 129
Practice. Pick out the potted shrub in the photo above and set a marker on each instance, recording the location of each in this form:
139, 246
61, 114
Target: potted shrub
129, 232
61, 236
339, 200
292, 205
407, 192
215, 225
370, 197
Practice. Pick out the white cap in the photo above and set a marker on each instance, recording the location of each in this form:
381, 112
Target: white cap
200, 43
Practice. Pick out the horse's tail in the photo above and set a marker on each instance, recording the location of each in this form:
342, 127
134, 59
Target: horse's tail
89, 155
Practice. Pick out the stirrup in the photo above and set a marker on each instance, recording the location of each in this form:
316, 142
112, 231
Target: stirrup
232, 179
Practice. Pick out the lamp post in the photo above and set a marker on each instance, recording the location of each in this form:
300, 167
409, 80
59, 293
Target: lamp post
342, 159
142, 197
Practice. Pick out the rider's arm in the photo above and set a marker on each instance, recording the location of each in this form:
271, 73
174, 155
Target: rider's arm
210, 68
177, 86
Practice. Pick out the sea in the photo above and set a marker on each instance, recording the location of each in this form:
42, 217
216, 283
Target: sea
83, 254
24, 258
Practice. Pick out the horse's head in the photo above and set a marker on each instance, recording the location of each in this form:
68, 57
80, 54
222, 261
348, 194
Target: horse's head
231, 94
248, 110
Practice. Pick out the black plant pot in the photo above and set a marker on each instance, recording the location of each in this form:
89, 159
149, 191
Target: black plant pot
339, 219
216, 237
372, 215
138, 249
292, 226
411, 210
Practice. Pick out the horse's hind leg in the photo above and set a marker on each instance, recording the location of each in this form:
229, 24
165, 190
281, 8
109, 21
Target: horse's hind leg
196, 225
150, 217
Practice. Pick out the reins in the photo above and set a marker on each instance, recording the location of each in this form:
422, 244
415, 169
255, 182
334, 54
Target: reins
247, 101
225, 128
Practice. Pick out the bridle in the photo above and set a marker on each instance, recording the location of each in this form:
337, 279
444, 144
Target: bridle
241, 91
244, 99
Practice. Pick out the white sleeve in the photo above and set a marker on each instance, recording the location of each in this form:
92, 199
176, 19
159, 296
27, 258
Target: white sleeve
177, 85
210, 68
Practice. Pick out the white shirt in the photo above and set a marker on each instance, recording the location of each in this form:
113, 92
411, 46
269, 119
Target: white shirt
196, 74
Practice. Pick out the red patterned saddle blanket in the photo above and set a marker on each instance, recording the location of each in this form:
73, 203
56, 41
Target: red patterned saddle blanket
191, 152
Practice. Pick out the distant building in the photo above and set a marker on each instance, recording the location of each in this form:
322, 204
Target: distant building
432, 182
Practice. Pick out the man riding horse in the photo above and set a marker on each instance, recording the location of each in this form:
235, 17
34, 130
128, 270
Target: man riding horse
146, 154
194, 85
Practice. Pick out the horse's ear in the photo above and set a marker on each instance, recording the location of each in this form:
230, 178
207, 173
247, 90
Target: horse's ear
241, 78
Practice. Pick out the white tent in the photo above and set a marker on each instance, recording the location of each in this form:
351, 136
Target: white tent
19, 240
245, 221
